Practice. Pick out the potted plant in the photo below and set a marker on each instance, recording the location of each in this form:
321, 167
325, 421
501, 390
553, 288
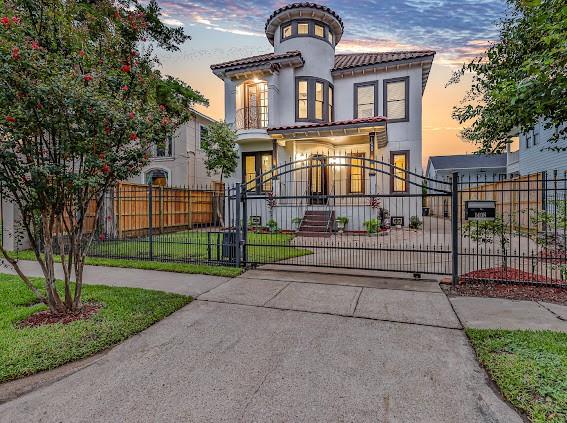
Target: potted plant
341, 223
372, 226
415, 223
296, 221
272, 225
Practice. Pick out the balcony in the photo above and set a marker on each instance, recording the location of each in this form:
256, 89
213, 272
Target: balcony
255, 117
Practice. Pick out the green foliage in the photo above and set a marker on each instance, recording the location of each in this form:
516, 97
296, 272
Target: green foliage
272, 224
415, 222
372, 225
343, 220
519, 79
529, 367
26, 351
486, 231
219, 144
82, 101
296, 221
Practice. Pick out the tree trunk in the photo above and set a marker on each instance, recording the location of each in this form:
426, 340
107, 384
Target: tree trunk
218, 199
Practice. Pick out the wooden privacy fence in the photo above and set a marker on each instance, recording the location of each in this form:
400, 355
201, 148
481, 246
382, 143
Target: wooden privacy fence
128, 209
517, 199
135, 206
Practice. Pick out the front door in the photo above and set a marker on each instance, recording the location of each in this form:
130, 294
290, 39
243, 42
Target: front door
318, 183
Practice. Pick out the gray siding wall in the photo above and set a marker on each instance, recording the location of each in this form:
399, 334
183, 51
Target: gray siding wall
539, 158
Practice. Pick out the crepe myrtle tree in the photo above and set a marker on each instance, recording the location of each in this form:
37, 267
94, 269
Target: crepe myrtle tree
81, 103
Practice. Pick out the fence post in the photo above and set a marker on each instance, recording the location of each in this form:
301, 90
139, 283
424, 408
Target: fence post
455, 227
244, 226
161, 210
150, 221
238, 198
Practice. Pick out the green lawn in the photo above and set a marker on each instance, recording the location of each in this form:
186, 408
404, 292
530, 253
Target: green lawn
530, 368
135, 253
26, 351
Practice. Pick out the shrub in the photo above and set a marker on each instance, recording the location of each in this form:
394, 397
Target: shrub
415, 222
272, 225
372, 226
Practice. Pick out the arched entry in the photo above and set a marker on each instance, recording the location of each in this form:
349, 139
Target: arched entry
158, 177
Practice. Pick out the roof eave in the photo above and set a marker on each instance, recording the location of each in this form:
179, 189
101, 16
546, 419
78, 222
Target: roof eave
265, 67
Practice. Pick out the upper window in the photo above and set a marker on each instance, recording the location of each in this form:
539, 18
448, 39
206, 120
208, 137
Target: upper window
535, 137
319, 100
303, 28
156, 177
365, 100
302, 99
307, 28
203, 130
399, 161
528, 139
331, 110
165, 149
314, 99
286, 31
396, 101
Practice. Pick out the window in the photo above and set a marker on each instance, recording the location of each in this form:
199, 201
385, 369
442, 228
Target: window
330, 112
254, 165
356, 174
528, 139
156, 177
203, 131
396, 104
535, 136
365, 104
286, 31
399, 161
302, 99
165, 149
307, 28
319, 100
313, 99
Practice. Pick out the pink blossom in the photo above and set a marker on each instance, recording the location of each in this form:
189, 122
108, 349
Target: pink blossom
88, 78
16, 20
16, 53
133, 136
131, 115
10, 119
35, 45
124, 88
125, 68
5, 21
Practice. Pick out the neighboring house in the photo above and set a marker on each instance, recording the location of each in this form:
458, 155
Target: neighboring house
533, 154
304, 101
473, 168
180, 161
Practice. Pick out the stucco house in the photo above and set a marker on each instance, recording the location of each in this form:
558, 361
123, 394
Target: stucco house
303, 101
179, 161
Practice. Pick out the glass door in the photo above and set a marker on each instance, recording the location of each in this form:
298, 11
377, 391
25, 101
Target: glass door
318, 183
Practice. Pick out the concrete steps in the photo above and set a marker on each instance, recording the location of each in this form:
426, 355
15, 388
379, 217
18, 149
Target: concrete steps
317, 223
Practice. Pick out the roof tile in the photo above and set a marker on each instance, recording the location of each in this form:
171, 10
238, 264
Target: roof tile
354, 60
254, 60
374, 119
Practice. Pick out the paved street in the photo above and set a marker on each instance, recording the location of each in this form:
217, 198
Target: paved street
285, 346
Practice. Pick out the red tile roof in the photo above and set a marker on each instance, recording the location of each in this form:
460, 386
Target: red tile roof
375, 119
354, 60
303, 5
255, 60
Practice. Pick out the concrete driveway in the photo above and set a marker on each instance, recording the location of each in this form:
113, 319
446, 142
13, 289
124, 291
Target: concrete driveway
285, 346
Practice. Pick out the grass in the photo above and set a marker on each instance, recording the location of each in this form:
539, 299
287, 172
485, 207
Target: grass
529, 367
26, 351
185, 245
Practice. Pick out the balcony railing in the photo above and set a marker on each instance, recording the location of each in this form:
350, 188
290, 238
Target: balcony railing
252, 117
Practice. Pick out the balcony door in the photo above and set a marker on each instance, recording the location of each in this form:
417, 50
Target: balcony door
318, 181
256, 105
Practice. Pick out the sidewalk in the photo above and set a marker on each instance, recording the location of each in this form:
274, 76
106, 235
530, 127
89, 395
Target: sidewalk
178, 283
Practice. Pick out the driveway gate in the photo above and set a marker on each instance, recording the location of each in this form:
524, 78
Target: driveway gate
347, 212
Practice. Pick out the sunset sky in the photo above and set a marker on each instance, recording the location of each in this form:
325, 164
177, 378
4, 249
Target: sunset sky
223, 30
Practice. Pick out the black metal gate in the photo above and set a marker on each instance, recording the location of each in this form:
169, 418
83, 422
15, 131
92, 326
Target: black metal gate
347, 212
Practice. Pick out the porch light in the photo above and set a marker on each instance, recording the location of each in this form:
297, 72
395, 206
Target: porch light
337, 161
256, 80
300, 156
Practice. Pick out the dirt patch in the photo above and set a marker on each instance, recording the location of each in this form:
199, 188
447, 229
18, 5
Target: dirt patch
548, 294
47, 318
510, 274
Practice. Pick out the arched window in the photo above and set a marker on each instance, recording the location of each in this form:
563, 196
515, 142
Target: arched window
156, 177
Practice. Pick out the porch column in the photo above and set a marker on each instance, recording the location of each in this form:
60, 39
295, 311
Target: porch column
273, 91
10, 232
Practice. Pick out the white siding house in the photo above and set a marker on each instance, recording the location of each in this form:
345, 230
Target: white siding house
473, 168
534, 153
304, 101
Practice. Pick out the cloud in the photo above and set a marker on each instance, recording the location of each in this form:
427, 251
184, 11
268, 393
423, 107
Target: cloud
172, 22
457, 29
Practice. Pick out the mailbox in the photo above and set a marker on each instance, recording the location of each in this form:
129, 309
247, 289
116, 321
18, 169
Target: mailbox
480, 210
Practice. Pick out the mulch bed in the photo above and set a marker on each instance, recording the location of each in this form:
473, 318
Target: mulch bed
509, 291
510, 274
553, 256
47, 318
